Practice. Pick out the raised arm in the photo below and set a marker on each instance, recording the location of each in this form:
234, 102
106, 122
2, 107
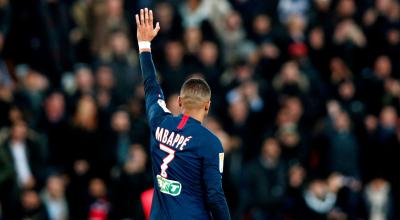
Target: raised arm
155, 104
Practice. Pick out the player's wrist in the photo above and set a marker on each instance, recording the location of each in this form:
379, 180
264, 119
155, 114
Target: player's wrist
144, 46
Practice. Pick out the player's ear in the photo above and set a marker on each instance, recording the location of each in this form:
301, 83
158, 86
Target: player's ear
180, 102
207, 106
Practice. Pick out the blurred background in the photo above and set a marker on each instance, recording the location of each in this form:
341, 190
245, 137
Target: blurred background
306, 101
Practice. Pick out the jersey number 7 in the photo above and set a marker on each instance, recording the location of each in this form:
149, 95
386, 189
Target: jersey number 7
166, 160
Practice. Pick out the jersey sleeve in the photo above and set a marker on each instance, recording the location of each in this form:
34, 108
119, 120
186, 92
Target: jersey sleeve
212, 176
156, 108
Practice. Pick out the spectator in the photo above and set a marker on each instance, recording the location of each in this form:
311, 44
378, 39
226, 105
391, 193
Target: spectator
53, 124
289, 131
296, 26
290, 80
117, 151
240, 116
233, 38
342, 144
81, 32
131, 181
169, 20
319, 202
262, 29
209, 63
23, 162
173, 71
296, 185
291, 141
105, 78
349, 41
266, 183
345, 9
378, 199
287, 8
29, 97
192, 39
84, 82
123, 62
24, 150
84, 139
339, 71
350, 102
319, 51
99, 206
54, 199
374, 79
32, 207
382, 135
107, 16
56, 22
323, 12
194, 12
105, 90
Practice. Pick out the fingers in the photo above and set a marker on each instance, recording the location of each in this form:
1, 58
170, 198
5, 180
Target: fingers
142, 17
157, 27
151, 18
137, 20
146, 16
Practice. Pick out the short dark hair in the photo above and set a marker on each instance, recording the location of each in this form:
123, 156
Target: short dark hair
195, 92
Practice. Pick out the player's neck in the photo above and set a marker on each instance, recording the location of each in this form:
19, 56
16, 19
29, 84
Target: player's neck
199, 116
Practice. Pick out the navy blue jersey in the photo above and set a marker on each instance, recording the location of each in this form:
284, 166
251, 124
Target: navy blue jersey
187, 159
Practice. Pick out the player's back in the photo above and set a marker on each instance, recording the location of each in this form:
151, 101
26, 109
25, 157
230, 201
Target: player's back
180, 147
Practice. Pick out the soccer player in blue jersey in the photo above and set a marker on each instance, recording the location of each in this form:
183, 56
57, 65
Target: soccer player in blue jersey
187, 159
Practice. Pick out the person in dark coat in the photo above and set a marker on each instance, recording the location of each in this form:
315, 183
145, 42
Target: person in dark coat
22, 159
265, 186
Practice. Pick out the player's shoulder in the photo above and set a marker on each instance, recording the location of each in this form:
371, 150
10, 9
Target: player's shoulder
210, 139
211, 135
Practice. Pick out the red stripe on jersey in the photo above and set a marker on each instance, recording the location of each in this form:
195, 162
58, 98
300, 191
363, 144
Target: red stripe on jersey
183, 122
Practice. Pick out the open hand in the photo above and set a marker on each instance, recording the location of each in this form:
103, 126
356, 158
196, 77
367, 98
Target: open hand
145, 29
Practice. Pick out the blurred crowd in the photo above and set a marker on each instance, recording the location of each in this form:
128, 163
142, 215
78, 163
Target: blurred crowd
306, 101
